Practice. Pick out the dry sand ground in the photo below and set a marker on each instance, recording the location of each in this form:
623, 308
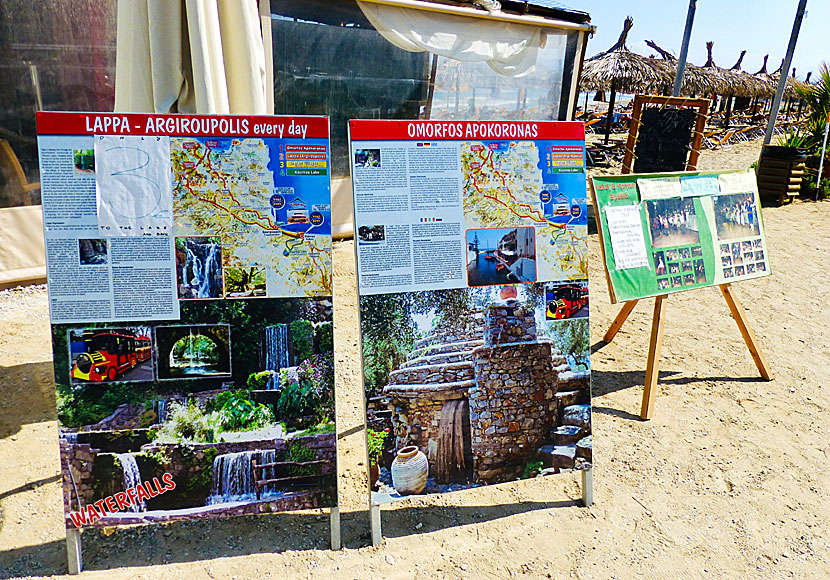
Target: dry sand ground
730, 478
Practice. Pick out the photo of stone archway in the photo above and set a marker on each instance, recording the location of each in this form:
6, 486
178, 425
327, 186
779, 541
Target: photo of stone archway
192, 352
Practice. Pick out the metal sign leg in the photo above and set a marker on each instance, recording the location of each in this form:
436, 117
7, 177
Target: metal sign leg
334, 518
377, 536
588, 487
73, 550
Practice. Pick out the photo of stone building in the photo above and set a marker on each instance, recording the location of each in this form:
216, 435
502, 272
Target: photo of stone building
489, 397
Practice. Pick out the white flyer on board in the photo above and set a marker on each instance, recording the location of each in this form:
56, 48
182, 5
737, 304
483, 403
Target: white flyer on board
132, 185
627, 242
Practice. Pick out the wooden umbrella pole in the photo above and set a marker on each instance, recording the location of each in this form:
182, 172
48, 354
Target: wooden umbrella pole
610, 114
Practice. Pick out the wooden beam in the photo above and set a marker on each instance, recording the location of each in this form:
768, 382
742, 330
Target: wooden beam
261, 466
655, 344
746, 331
265, 482
619, 320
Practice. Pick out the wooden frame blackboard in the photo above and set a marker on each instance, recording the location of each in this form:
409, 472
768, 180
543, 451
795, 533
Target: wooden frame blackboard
701, 108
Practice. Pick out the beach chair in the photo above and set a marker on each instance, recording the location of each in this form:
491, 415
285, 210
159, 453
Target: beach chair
724, 142
589, 125
711, 139
15, 189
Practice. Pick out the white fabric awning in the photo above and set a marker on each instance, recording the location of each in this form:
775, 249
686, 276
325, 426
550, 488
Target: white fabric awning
509, 49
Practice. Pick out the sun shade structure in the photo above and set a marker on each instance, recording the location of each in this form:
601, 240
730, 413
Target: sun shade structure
696, 80
619, 69
733, 82
767, 79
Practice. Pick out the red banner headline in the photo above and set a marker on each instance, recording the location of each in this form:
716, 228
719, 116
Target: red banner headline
463, 130
182, 125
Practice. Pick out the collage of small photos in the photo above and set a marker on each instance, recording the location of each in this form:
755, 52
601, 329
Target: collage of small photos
679, 267
678, 255
742, 258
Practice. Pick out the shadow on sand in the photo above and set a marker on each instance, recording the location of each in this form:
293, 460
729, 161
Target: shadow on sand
190, 541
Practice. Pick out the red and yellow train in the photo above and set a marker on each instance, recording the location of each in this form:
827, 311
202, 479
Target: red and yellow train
110, 353
568, 300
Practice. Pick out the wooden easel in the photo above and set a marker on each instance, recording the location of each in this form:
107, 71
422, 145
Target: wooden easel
656, 336
655, 343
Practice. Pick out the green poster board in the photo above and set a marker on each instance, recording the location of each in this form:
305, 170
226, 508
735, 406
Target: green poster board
668, 232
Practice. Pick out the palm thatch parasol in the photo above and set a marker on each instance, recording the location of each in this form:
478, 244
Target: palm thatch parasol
619, 69
789, 88
732, 83
696, 80
753, 86
767, 79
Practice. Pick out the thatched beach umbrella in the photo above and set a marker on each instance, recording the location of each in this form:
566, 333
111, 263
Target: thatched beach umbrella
619, 69
732, 83
696, 80
766, 79
752, 85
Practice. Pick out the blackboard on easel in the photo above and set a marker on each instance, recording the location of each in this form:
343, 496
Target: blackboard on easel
666, 134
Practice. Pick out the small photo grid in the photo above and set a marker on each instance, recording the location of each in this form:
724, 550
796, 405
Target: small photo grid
743, 258
680, 267
660, 263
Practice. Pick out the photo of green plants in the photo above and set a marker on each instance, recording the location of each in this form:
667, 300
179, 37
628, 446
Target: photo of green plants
234, 402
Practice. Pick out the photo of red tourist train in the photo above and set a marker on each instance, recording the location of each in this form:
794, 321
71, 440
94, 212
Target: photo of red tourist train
567, 300
109, 354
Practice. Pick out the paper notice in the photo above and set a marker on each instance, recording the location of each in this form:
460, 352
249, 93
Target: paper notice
627, 242
697, 186
659, 187
132, 185
743, 182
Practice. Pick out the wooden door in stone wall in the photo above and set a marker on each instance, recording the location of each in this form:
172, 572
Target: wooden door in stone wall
454, 454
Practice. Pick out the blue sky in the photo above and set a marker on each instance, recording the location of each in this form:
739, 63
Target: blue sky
758, 26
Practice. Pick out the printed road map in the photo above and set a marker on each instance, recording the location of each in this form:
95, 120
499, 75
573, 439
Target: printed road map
514, 183
267, 211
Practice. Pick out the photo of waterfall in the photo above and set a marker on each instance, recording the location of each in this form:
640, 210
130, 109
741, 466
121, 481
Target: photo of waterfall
234, 403
276, 352
132, 477
199, 267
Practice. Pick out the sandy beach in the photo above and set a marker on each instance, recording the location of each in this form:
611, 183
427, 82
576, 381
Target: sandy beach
730, 479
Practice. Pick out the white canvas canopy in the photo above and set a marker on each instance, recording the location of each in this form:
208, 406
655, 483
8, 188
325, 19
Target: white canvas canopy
190, 56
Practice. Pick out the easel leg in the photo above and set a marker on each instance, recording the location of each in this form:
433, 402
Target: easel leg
73, 550
334, 520
655, 344
619, 320
374, 512
746, 331
588, 487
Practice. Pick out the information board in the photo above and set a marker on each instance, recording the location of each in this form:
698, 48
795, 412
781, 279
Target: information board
189, 272
473, 281
667, 232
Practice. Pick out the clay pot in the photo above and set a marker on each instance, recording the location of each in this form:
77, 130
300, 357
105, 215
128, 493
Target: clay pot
508, 292
409, 471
